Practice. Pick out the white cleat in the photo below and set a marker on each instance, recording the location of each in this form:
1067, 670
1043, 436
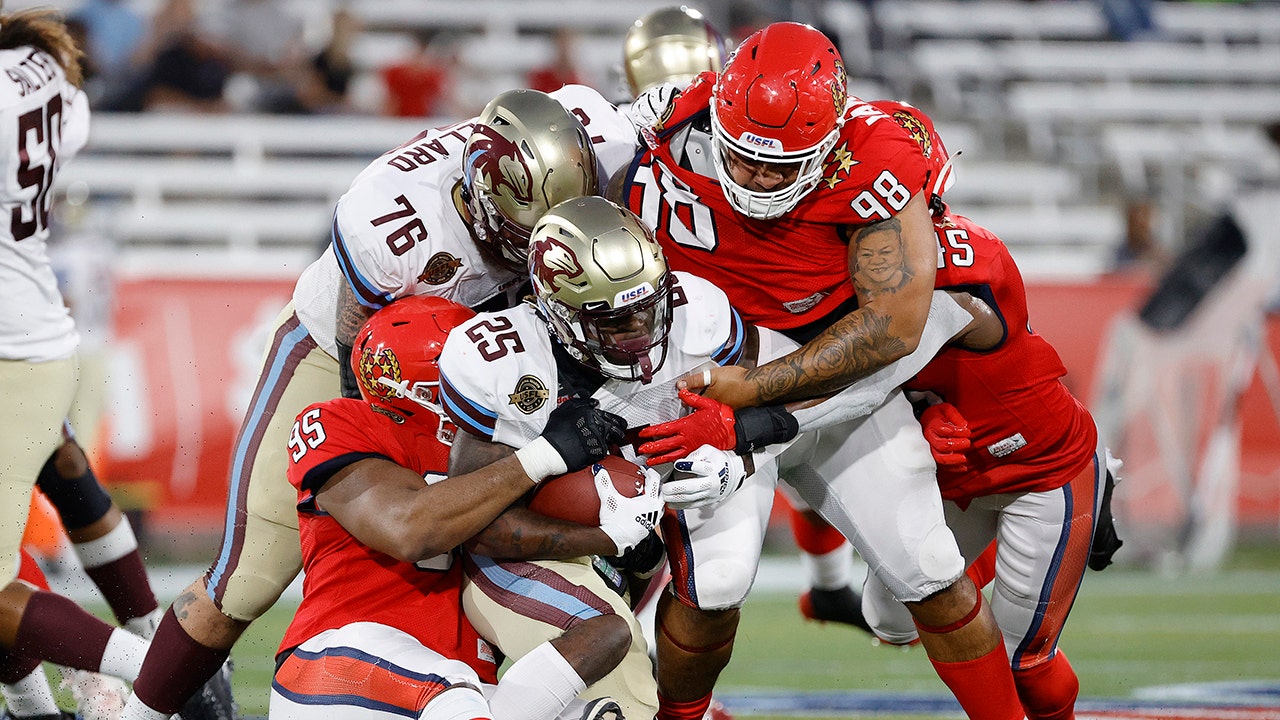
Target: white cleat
97, 696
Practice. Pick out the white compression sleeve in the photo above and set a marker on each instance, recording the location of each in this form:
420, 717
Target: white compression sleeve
946, 318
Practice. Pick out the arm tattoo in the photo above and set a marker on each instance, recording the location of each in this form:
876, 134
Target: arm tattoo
350, 316
519, 534
878, 262
852, 348
181, 603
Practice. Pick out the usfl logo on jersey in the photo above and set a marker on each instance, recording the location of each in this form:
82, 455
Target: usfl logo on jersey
530, 394
440, 268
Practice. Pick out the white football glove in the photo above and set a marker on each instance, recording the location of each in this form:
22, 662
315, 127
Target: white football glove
628, 520
704, 477
646, 110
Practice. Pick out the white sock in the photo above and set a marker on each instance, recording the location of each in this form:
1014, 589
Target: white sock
830, 571
145, 626
110, 547
123, 656
539, 685
456, 703
30, 696
135, 709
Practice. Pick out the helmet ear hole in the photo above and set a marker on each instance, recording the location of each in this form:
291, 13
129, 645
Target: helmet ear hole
601, 281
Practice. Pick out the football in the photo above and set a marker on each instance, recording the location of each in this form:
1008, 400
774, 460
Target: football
573, 496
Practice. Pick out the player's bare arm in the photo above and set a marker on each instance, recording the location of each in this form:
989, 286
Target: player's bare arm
987, 329
350, 317
389, 508
886, 326
517, 533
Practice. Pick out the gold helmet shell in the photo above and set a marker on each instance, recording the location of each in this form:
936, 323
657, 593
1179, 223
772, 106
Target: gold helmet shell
672, 44
526, 153
602, 283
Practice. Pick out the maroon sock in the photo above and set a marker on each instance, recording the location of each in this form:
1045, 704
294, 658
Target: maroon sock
14, 667
54, 628
124, 584
176, 667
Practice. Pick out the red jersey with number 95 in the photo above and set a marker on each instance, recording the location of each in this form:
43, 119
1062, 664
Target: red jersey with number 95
347, 581
1029, 432
789, 271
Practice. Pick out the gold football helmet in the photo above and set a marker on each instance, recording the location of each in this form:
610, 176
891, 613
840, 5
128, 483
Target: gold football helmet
526, 153
670, 45
602, 283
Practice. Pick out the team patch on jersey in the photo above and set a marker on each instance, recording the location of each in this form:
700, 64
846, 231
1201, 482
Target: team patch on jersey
440, 269
804, 305
395, 417
841, 163
530, 394
1007, 446
916, 130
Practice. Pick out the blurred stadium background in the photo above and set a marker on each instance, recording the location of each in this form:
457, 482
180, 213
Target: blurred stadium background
1128, 153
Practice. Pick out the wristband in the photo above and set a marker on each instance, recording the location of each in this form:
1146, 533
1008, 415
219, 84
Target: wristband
757, 427
540, 460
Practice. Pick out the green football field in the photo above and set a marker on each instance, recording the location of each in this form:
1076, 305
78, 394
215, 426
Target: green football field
1132, 635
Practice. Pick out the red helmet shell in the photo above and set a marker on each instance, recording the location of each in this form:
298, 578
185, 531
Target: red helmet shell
396, 354
784, 88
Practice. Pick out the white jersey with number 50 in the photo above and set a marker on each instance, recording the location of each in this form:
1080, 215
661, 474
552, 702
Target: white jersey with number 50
44, 121
498, 376
398, 230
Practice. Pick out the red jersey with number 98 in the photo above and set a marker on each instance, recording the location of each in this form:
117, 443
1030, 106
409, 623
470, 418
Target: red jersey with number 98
789, 271
1029, 432
347, 581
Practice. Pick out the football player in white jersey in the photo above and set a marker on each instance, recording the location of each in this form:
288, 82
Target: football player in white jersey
623, 330
44, 121
444, 214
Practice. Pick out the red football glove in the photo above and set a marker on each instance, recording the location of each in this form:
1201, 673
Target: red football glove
710, 423
947, 432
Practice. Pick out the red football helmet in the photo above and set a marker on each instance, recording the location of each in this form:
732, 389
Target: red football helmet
396, 354
920, 127
779, 100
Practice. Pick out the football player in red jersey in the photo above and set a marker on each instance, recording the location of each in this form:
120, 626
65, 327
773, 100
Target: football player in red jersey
769, 181
1029, 468
1031, 472
663, 52
381, 629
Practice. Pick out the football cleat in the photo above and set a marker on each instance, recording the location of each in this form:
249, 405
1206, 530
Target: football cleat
843, 605
213, 701
97, 696
605, 708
